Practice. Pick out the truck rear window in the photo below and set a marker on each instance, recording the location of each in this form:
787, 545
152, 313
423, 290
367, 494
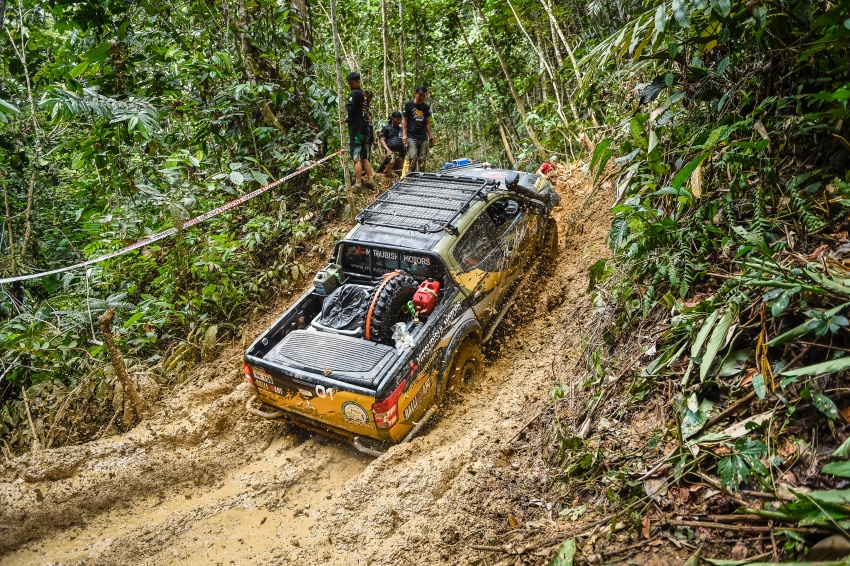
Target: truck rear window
374, 262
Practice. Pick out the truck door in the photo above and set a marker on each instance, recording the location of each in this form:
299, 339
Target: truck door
479, 259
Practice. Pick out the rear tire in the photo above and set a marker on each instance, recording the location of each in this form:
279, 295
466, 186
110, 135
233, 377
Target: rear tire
549, 248
466, 365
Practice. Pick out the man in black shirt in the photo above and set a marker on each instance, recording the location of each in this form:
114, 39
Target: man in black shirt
416, 129
391, 142
358, 132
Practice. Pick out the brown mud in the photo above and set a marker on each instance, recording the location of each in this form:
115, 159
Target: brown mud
204, 482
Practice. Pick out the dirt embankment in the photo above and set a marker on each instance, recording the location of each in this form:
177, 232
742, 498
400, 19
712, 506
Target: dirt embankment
205, 483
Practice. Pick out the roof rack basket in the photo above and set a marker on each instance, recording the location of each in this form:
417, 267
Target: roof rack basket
425, 202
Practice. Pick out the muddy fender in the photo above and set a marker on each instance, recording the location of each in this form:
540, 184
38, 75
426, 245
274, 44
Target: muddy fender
468, 328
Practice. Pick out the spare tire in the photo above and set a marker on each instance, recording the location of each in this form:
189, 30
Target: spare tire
389, 306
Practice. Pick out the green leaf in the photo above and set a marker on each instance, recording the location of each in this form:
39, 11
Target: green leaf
703, 333
721, 66
687, 170
838, 469
718, 337
722, 7
565, 555
600, 157
781, 303
825, 405
694, 559
682, 13
8, 108
236, 178
78, 69
759, 386
830, 366
733, 471
133, 319
660, 17
843, 451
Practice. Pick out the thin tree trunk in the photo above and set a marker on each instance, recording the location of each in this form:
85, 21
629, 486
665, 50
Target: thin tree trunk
403, 92
545, 63
139, 404
9, 226
385, 41
509, 78
492, 102
340, 120
22, 56
554, 22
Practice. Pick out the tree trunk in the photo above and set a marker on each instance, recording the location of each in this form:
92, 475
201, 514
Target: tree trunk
385, 41
340, 120
9, 226
509, 78
247, 52
545, 63
22, 57
492, 102
403, 92
139, 404
557, 28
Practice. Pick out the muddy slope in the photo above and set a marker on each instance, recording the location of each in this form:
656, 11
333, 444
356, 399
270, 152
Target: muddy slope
203, 482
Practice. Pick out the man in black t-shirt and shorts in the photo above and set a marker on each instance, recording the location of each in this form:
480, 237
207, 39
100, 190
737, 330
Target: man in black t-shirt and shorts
359, 144
390, 138
416, 129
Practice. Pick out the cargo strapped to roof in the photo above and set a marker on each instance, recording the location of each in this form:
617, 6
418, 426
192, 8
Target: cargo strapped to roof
425, 202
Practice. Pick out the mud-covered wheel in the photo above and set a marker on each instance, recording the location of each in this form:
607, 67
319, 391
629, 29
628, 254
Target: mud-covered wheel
549, 248
390, 306
465, 367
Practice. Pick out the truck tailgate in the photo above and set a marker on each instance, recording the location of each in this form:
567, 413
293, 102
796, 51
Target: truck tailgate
346, 358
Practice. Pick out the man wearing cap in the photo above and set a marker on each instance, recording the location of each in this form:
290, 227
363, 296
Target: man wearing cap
416, 129
358, 132
390, 138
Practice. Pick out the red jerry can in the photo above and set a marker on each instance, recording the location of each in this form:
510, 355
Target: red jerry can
425, 298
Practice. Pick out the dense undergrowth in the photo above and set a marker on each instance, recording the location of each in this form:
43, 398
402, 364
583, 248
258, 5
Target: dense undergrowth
730, 268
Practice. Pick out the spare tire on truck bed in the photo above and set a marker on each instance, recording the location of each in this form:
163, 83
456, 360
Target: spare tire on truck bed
389, 306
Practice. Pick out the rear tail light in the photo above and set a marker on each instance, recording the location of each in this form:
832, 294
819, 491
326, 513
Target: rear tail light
386, 412
248, 376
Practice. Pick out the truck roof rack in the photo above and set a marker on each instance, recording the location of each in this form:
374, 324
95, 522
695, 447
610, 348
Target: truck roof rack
424, 202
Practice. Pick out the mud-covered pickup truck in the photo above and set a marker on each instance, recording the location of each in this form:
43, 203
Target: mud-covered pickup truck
399, 314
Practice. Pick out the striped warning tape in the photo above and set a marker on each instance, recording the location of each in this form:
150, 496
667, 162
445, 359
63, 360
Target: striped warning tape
171, 231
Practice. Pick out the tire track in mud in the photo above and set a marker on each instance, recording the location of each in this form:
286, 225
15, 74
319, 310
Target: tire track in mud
205, 483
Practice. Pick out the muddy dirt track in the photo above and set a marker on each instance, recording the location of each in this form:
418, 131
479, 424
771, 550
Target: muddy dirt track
203, 482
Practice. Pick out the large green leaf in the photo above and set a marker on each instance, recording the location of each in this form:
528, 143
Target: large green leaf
565, 555
722, 7
830, 366
682, 13
706, 327
660, 17
718, 337
838, 469
687, 170
601, 153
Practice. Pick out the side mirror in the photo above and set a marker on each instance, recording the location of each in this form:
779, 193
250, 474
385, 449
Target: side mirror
512, 180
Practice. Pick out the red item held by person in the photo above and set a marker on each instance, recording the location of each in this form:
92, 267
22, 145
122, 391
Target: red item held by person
425, 298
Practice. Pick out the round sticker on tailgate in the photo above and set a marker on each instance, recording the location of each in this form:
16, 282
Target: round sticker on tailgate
355, 413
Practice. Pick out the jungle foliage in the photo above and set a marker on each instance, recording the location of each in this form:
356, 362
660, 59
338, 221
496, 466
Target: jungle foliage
730, 253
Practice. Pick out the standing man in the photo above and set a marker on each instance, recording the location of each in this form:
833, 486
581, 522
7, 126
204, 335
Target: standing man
358, 132
416, 129
390, 138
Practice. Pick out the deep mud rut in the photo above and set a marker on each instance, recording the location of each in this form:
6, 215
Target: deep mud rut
203, 482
